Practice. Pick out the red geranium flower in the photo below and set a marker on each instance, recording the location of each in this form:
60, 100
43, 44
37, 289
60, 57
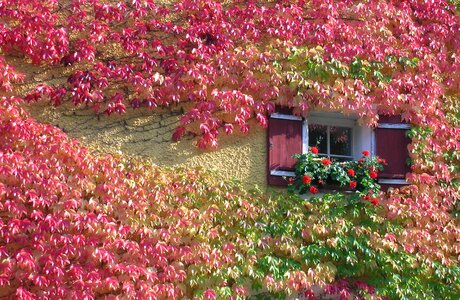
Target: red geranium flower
306, 179
351, 172
314, 150
326, 162
290, 180
313, 190
373, 174
366, 153
381, 161
375, 201
352, 184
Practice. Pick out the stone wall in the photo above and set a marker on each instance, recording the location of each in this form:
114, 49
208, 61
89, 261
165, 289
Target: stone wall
148, 134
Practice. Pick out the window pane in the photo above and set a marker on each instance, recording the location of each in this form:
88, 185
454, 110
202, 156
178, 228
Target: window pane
340, 140
317, 137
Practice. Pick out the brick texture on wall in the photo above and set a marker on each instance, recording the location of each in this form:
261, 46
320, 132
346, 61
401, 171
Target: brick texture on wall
147, 133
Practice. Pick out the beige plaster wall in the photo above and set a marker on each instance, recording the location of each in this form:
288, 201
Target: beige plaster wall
148, 134
141, 132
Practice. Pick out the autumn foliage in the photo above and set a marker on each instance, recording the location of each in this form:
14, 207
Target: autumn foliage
232, 61
75, 223
78, 225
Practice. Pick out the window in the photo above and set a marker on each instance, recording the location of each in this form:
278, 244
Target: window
336, 136
332, 134
332, 141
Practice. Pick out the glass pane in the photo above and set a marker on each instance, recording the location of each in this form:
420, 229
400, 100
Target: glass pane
317, 137
340, 140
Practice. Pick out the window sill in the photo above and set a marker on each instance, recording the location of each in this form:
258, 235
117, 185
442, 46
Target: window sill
282, 173
392, 181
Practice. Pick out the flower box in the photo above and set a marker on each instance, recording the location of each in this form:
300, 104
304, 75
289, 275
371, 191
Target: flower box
335, 187
315, 174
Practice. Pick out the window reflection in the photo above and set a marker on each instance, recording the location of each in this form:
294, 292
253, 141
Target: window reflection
317, 137
340, 138
331, 141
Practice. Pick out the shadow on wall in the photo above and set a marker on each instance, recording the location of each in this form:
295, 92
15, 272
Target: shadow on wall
148, 134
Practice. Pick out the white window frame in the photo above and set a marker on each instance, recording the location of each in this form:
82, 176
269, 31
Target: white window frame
329, 119
337, 120
367, 136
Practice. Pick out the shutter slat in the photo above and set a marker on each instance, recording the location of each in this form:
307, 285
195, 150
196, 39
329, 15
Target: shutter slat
391, 145
284, 140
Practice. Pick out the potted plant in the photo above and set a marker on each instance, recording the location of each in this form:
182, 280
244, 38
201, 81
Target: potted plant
313, 173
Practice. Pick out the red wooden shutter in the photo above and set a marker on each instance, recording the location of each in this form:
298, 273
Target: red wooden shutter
391, 145
284, 140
